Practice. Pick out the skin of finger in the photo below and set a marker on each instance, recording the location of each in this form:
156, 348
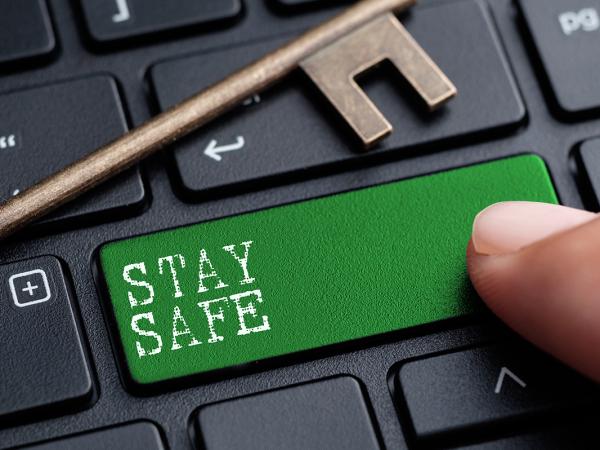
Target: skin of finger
549, 292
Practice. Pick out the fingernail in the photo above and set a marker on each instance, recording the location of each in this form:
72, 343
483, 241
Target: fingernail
509, 226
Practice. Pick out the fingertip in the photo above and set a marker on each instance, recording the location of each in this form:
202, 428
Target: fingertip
506, 227
547, 290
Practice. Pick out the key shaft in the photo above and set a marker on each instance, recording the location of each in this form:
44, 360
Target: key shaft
167, 127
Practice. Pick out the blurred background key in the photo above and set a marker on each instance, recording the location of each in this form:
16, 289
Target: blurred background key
132, 436
25, 30
109, 20
589, 159
566, 34
44, 129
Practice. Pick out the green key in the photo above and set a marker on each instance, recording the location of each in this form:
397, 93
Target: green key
303, 276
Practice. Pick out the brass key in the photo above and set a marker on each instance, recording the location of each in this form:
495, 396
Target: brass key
334, 69
332, 54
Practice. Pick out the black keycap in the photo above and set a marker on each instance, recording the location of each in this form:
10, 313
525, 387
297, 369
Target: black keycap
291, 129
590, 161
135, 436
25, 30
42, 130
580, 436
43, 362
109, 20
567, 36
329, 414
486, 386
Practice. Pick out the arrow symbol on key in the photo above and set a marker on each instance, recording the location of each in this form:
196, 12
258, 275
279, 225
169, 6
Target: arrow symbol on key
504, 371
214, 151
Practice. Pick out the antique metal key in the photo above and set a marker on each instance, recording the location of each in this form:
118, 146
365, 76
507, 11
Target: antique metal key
332, 54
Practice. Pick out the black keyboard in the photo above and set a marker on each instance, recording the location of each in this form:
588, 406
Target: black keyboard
100, 349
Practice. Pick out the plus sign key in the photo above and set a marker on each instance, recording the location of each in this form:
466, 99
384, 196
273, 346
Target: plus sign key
566, 34
47, 371
29, 288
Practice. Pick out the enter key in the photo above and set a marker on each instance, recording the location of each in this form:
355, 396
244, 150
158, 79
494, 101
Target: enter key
308, 275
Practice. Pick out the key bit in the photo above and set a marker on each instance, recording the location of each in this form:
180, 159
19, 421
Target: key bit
335, 68
332, 53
